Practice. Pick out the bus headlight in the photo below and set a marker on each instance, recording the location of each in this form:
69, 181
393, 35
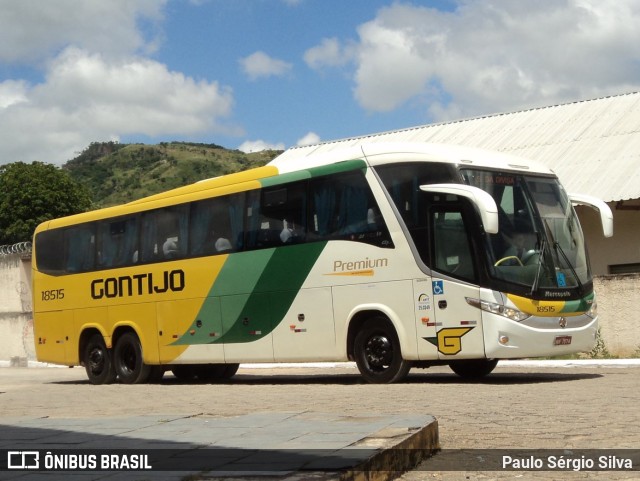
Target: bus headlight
492, 307
593, 310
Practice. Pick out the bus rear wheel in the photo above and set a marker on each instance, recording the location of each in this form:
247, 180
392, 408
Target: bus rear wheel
473, 368
377, 353
97, 361
127, 360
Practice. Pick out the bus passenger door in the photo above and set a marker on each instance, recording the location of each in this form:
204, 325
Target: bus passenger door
458, 325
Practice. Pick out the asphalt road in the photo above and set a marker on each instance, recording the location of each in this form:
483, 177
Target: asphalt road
530, 407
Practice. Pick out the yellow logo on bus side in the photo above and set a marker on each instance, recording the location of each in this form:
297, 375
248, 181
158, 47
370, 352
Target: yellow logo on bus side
449, 340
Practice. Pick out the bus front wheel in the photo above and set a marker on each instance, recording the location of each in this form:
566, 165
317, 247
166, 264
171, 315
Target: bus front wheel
377, 353
127, 360
97, 361
473, 368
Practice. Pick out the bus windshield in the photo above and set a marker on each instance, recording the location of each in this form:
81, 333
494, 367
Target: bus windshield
539, 243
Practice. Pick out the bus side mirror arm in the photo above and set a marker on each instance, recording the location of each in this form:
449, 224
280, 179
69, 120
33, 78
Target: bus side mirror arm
606, 216
482, 200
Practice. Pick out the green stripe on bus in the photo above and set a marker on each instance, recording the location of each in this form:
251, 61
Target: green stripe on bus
336, 168
580, 305
252, 294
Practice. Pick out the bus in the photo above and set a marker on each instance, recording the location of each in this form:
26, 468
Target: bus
390, 255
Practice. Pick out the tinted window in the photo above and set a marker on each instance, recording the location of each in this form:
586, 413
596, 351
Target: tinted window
117, 242
451, 243
165, 234
50, 251
80, 247
343, 207
216, 225
338, 206
279, 218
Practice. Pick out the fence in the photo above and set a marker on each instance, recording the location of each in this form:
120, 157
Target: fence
21, 248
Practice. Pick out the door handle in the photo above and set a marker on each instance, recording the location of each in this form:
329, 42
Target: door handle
442, 304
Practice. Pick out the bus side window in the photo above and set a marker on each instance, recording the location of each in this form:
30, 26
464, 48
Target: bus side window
343, 207
279, 218
49, 250
165, 233
451, 244
215, 225
80, 244
117, 242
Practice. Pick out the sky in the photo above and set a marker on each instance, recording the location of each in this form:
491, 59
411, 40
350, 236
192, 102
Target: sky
259, 74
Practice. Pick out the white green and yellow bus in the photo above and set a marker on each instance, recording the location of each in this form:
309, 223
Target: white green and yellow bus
389, 255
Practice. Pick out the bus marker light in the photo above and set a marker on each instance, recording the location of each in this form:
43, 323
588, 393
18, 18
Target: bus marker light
213, 334
192, 332
504, 340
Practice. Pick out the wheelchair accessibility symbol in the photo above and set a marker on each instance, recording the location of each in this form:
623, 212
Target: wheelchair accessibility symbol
438, 288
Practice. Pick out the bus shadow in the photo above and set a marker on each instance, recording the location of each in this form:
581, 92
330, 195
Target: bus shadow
502, 378
413, 378
419, 377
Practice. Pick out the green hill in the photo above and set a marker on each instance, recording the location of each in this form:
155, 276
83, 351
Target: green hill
116, 173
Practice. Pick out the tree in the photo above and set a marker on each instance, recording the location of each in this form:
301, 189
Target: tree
33, 193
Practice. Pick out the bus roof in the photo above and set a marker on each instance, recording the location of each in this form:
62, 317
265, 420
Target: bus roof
388, 152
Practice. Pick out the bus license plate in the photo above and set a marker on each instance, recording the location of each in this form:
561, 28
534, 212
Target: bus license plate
562, 341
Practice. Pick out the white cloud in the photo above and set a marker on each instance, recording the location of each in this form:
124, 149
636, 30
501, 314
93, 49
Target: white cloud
32, 30
12, 92
490, 56
259, 145
260, 65
329, 53
309, 139
86, 98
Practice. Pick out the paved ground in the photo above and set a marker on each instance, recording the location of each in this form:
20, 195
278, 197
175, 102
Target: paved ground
280, 444
528, 407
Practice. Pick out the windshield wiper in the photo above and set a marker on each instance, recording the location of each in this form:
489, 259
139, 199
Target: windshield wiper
542, 241
559, 248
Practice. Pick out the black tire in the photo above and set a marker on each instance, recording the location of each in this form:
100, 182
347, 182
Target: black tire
473, 368
214, 372
230, 370
377, 353
127, 360
97, 361
184, 372
209, 372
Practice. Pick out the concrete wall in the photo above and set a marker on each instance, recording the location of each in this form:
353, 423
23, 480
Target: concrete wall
619, 320
16, 319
